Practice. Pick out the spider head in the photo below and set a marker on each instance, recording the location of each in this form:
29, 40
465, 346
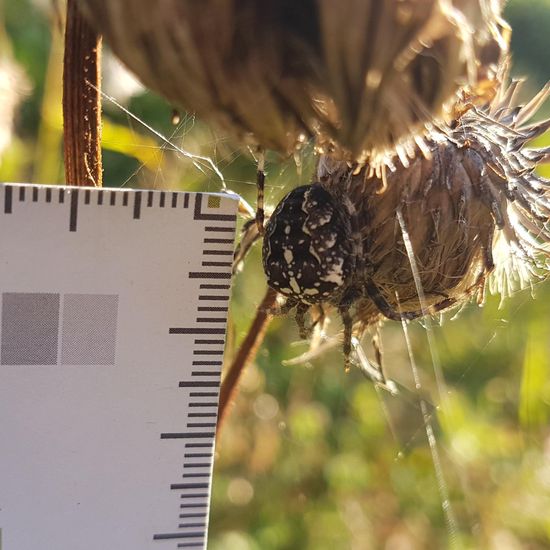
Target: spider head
308, 249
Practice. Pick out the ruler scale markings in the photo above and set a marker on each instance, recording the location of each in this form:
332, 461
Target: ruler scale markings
149, 199
202, 415
198, 455
87, 196
206, 405
162, 199
189, 545
137, 205
196, 475
74, 210
195, 330
219, 252
48, 194
112, 200
217, 264
198, 384
207, 352
189, 496
174, 200
61, 196
198, 445
125, 198
213, 297
209, 275
22, 194
35, 194
203, 394
210, 320
187, 435
201, 425
220, 229
217, 241
8, 191
197, 465
193, 515
206, 363
215, 287
200, 341
186, 200
100, 198
183, 486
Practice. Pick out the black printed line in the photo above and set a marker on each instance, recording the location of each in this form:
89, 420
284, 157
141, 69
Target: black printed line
208, 275
61, 196
137, 205
222, 229
48, 195
149, 199
198, 445
212, 297
196, 475
206, 363
8, 192
174, 200
218, 252
74, 210
197, 465
186, 200
218, 241
208, 404
35, 194
100, 198
185, 486
203, 394
187, 435
195, 330
125, 199
198, 455
190, 545
207, 352
220, 342
212, 308
194, 495
215, 287
198, 384
162, 199
112, 200
202, 415
87, 196
210, 319
206, 373
193, 515
194, 525
22, 194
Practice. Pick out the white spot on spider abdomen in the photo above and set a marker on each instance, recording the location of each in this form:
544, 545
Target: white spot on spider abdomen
288, 256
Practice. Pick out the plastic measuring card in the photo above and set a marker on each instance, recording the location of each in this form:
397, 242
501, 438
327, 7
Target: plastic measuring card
113, 315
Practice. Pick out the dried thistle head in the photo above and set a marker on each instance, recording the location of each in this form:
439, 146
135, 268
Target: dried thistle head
356, 74
422, 236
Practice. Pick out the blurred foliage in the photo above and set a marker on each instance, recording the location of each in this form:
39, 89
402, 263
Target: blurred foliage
313, 458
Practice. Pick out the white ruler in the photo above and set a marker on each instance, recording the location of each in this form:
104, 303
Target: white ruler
113, 314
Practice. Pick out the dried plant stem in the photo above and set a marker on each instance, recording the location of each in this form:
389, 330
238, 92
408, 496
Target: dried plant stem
81, 101
246, 353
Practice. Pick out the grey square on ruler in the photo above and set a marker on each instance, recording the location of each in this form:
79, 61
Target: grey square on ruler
89, 329
29, 328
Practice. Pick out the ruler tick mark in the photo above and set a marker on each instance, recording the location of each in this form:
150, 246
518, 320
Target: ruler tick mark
61, 196
35, 194
112, 200
87, 196
74, 210
137, 205
8, 191
21, 194
174, 200
208, 275
162, 199
125, 199
100, 198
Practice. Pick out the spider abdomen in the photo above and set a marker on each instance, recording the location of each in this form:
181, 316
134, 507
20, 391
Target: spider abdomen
308, 252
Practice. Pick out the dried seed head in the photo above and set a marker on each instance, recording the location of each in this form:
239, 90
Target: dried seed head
468, 190
356, 74
308, 252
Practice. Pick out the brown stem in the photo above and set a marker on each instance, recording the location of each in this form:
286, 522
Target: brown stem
81, 101
246, 353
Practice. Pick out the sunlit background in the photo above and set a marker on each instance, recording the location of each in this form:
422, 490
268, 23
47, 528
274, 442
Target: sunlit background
312, 457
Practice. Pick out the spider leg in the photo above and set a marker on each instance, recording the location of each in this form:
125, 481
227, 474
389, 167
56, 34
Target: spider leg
386, 309
301, 310
348, 328
260, 184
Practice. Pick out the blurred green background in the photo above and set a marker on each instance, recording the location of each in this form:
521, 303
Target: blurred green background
312, 457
